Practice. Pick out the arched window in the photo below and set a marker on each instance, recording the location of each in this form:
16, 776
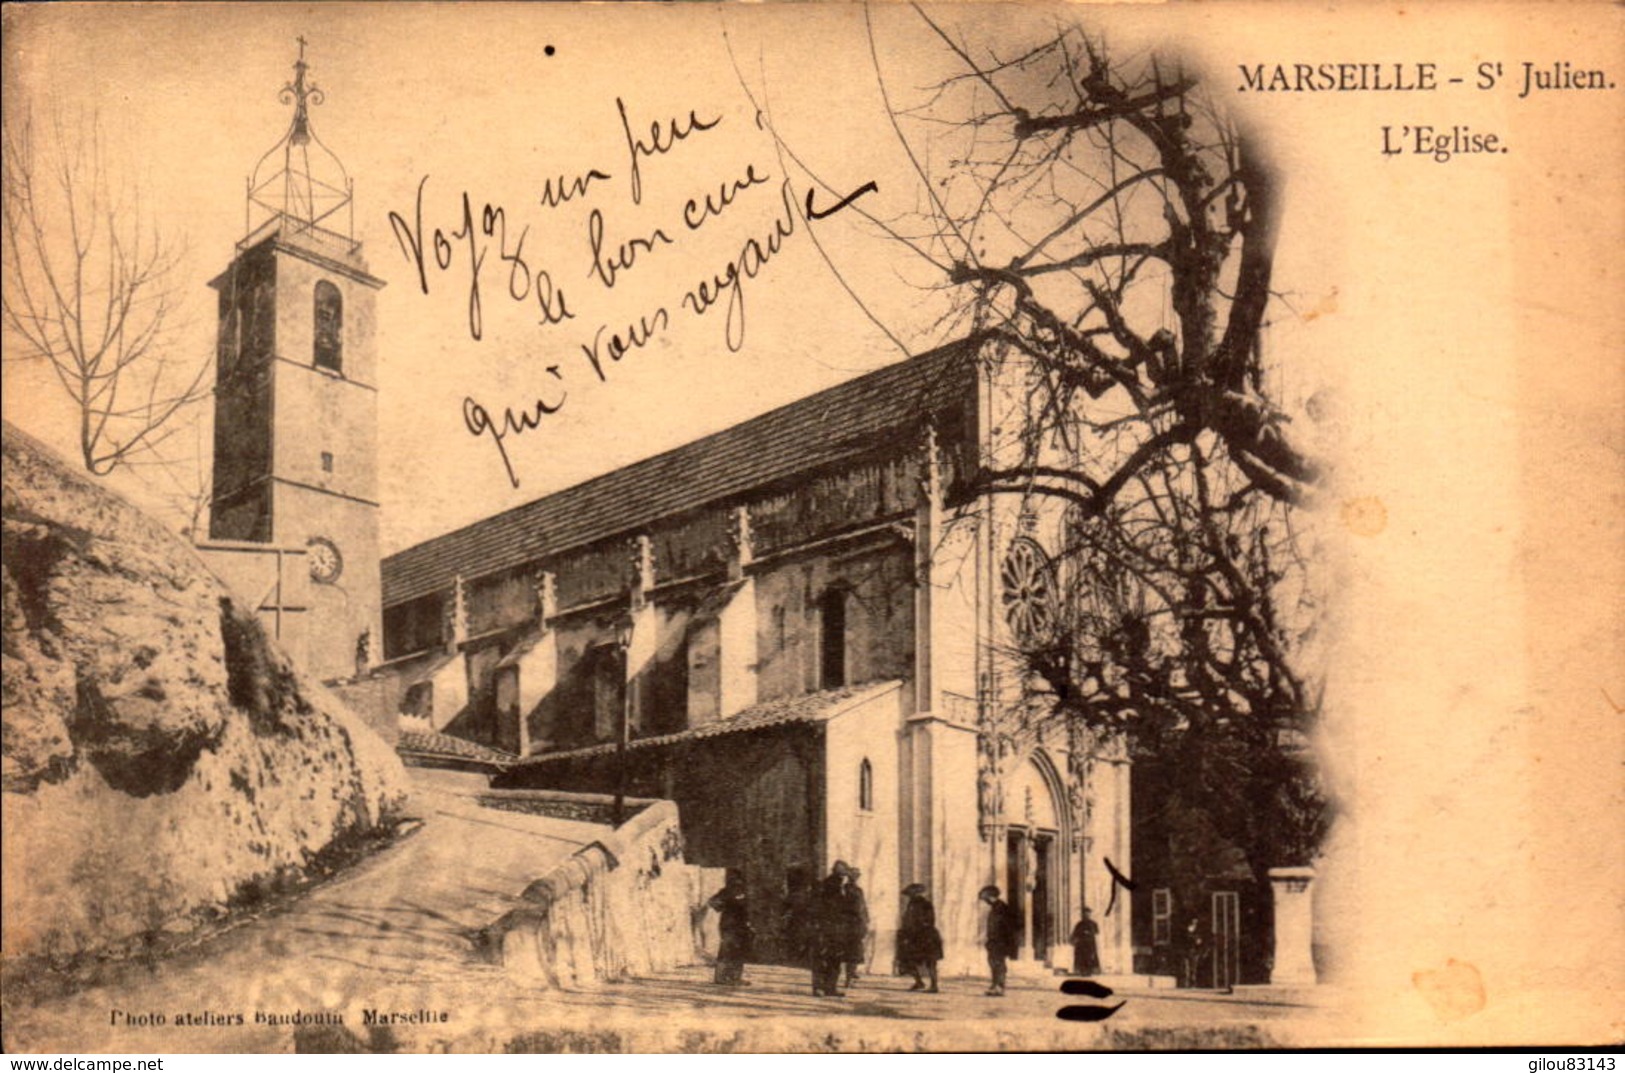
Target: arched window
832, 638
866, 786
329, 327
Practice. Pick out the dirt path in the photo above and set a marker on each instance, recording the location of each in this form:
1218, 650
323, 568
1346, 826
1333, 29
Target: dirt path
391, 934
391, 937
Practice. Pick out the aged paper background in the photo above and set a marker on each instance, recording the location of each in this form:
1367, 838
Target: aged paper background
1465, 318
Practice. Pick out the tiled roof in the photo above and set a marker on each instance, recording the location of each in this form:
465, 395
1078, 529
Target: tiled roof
444, 746
807, 708
841, 422
415, 668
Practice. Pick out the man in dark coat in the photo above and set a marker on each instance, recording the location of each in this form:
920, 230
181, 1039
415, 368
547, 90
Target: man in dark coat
1002, 933
857, 919
1193, 953
1085, 947
797, 917
919, 944
832, 931
733, 927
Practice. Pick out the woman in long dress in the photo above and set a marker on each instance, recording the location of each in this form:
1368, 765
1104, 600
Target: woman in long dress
733, 924
919, 944
1085, 946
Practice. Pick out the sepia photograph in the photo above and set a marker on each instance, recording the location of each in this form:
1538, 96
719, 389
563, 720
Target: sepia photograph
811, 528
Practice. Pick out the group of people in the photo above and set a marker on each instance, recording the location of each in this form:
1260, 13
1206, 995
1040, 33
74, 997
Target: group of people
828, 925
836, 930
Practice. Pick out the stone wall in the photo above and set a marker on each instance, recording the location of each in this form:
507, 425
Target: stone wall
626, 905
162, 760
751, 804
374, 699
583, 808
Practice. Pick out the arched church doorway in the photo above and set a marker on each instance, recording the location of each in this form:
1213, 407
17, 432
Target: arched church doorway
1036, 858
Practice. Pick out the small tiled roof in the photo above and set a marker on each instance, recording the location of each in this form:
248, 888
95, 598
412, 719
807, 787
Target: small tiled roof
807, 708
415, 668
841, 422
527, 642
444, 746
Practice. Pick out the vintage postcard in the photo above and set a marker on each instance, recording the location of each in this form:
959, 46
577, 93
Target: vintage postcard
816, 527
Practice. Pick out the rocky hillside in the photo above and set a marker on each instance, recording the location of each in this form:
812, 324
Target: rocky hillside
161, 759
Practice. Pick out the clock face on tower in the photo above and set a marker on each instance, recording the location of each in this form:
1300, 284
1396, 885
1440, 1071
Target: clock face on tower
326, 564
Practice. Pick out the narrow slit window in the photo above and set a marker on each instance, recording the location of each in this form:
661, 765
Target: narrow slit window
832, 614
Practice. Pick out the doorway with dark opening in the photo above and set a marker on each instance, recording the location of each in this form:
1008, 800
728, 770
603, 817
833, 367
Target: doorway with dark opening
1043, 896
1016, 881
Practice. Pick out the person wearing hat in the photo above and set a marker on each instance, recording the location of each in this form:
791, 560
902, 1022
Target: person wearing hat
1001, 937
857, 919
919, 944
1085, 947
832, 931
733, 926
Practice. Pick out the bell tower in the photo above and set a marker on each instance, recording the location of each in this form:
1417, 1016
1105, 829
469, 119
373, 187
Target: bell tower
296, 397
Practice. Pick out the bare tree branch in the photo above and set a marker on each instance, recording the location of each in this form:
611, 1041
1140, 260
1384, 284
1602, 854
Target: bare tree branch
87, 293
1100, 222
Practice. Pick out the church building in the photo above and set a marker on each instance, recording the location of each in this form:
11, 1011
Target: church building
801, 629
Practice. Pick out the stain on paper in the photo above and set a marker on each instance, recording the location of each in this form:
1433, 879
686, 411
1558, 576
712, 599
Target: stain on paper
1326, 305
1365, 515
1455, 991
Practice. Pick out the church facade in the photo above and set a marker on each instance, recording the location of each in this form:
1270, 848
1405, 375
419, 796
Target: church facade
801, 629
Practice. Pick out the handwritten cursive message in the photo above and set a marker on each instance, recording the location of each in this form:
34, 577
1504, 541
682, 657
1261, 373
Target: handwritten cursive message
484, 249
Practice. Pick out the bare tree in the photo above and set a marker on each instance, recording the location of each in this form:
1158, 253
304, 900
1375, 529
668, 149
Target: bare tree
1183, 615
183, 481
1113, 228
87, 292
1102, 219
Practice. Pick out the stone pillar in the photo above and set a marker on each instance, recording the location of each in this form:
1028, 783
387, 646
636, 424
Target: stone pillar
940, 845
450, 685
538, 661
1294, 926
741, 542
456, 624
1122, 944
645, 640
736, 625
928, 522
547, 598
1107, 844
642, 550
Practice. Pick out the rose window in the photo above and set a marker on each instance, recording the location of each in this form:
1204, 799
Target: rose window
1029, 591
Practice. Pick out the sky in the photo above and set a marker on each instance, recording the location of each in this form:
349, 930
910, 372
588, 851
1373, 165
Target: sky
475, 105
497, 103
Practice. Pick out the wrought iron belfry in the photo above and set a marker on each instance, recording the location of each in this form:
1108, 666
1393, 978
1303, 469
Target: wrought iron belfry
300, 181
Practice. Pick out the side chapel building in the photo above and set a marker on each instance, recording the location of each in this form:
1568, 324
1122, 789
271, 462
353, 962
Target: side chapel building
802, 625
